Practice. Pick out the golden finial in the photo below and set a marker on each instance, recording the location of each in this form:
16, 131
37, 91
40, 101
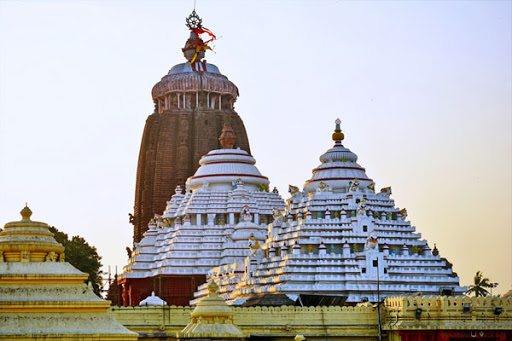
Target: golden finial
26, 213
227, 138
338, 135
213, 287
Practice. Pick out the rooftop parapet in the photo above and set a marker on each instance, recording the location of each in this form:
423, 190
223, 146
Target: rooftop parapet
441, 312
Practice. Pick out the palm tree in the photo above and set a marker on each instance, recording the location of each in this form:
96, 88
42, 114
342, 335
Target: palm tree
481, 285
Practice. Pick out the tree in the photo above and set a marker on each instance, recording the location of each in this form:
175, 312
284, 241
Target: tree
82, 256
113, 291
480, 286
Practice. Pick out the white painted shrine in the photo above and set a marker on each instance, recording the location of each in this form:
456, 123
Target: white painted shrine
337, 237
226, 205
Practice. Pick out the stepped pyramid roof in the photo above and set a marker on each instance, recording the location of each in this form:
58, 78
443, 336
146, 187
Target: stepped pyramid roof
226, 206
42, 296
339, 237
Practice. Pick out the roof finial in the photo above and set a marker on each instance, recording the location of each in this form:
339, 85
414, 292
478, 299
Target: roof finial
338, 136
227, 138
26, 213
195, 47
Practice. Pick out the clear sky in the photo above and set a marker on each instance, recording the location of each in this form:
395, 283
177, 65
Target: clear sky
423, 90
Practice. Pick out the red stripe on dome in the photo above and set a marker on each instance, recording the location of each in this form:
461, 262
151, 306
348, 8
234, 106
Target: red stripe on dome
215, 154
326, 179
339, 167
236, 175
215, 162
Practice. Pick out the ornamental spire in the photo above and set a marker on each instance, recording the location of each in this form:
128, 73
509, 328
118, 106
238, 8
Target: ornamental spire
338, 136
195, 47
227, 138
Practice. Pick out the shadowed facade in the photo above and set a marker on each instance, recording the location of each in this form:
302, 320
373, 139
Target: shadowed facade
192, 102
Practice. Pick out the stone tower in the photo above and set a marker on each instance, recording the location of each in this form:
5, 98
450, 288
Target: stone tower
192, 102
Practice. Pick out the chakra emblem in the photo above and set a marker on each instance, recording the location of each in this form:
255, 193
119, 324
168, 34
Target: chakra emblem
193, 20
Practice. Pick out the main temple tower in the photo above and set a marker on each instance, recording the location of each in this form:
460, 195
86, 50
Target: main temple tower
192, 103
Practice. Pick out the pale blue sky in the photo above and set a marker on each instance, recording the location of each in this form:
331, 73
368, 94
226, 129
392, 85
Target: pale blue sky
423, 90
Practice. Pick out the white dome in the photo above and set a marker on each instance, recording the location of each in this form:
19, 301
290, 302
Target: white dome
221, 167
338, 168
153, 300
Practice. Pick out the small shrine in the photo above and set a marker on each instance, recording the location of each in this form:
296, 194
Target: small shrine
44, 297
338, 241
212, 319
220, 218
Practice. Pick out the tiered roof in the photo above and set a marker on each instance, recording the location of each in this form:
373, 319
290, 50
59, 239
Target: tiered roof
44, 297
226, 205
338, 237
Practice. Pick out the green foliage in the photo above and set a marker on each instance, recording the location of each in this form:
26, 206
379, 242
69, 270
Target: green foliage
480, 286
82, 256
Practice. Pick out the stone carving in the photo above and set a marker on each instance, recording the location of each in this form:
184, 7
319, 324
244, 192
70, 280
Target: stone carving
25, 256
62, 257
293, 190
372, 241
51, 257
361, 208
385, 191
353, 186
254, 246
246, 214
237, 182
371, 187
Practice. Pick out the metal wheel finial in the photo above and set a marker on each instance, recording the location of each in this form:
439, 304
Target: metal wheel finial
193, 20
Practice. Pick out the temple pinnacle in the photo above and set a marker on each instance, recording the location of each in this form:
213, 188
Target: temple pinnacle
195, 47
26, 213
338, 136
227, 138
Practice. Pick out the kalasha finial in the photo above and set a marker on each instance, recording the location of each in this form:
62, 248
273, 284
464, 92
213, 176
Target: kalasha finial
227, 138
26, 213
213, 287
195, 47
338, 136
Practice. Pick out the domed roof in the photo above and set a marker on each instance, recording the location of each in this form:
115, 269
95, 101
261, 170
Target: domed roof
153, 300
29, 241
221, 168
196, 74
338, 168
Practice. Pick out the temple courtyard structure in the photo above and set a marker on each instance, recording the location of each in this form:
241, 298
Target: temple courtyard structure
219, 255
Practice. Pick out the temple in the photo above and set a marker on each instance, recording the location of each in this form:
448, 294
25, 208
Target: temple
43, 297
221, 218
192, 103
338, 242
